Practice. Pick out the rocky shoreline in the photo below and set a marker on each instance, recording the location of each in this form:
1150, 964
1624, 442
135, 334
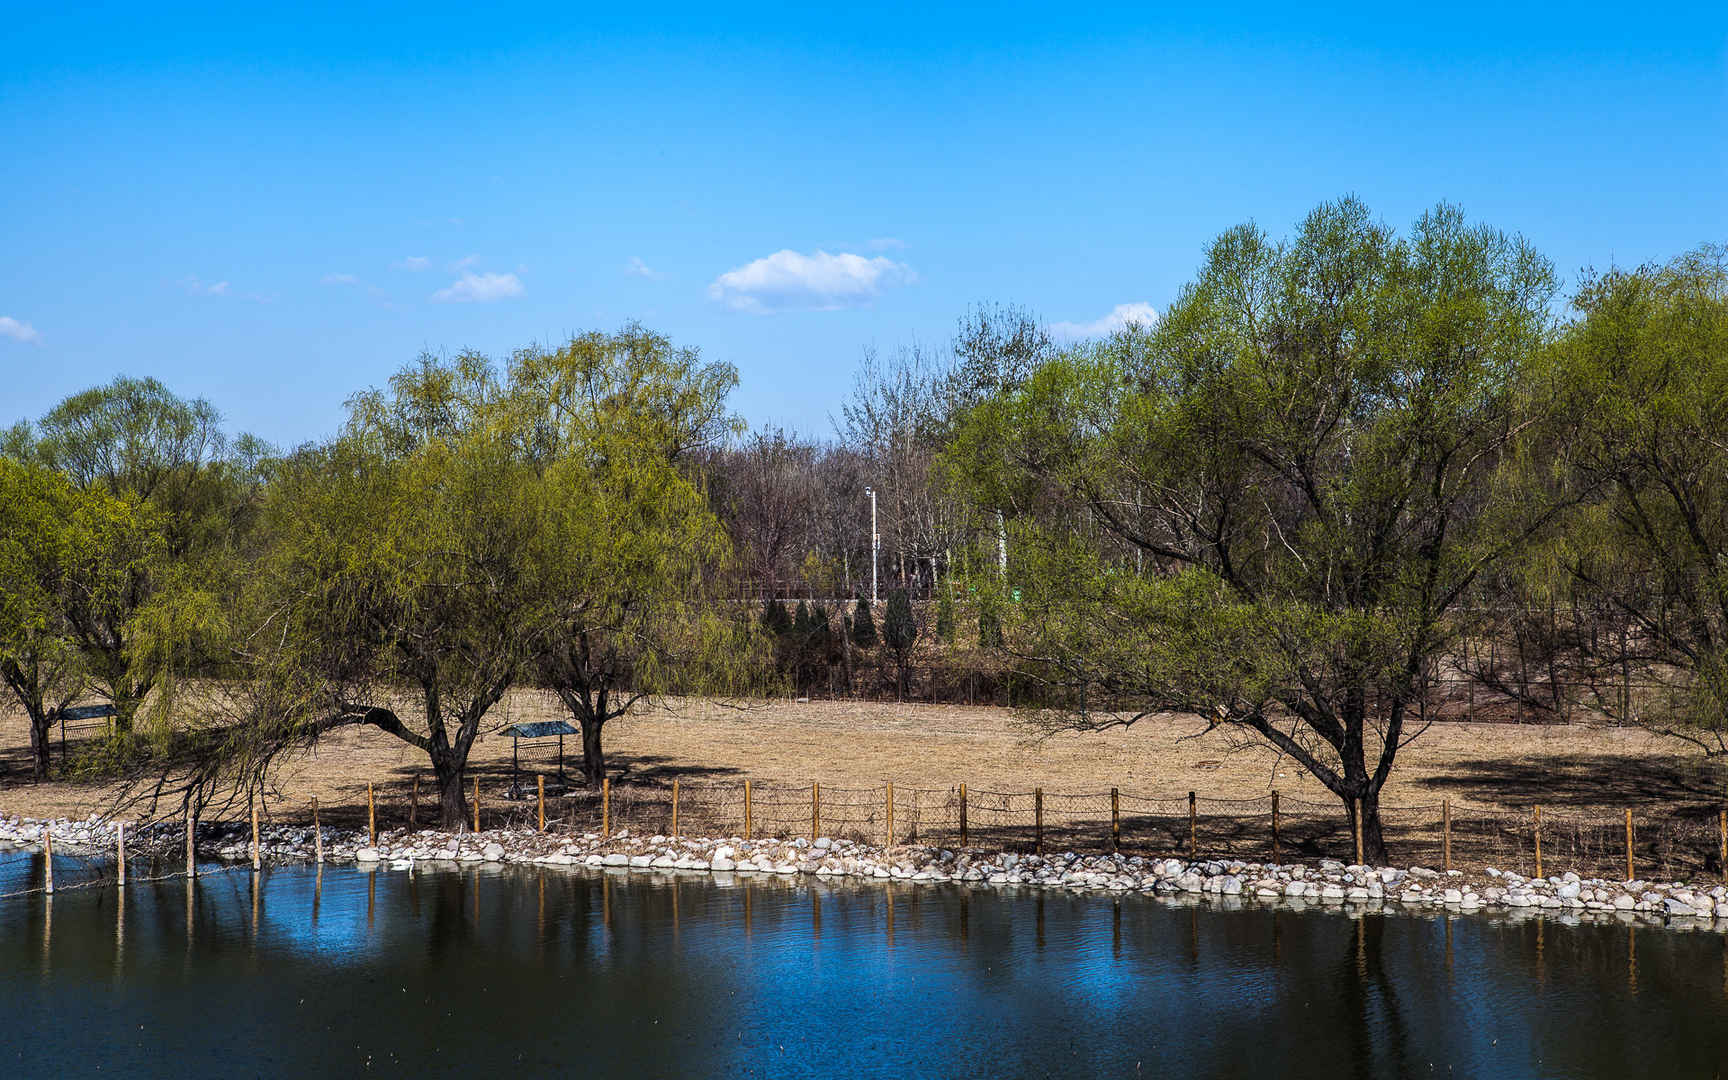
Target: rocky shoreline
1330, 883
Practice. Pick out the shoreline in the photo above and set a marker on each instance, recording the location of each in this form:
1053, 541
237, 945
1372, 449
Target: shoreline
1327, 885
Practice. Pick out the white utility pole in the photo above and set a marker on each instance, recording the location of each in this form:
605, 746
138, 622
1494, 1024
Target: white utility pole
875, 543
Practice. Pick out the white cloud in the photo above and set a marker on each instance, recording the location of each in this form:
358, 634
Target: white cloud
789, 281
340, 279
635, 267
887, 243
413, 262
19, 331
200, 288
1120, 316
464, 261
479, 288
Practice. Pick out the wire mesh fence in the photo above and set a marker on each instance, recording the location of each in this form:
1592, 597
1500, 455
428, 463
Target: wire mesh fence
1680, 843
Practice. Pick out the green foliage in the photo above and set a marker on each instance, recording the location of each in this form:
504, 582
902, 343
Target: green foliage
863, 625
1637, 434
945, 617
1309, 440
900, 634
775, 620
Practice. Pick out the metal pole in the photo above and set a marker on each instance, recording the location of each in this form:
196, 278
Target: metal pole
875, 543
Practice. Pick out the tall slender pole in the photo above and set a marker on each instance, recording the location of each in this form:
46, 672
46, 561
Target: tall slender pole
962, 815
746, 809
1358, 804
1630, 875
257, 857
815, 810
476, 802
318, 834
120, 850
1038, 819
191, 844
540, 786
1446, 833
414, 803
1536, 832
606, 806
371, 816
48, 859
889, 841
1115, 820
1275, 824
674, 808
1193, 828
875, 543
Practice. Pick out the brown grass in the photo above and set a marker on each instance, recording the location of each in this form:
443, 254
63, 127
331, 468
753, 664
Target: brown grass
860, 744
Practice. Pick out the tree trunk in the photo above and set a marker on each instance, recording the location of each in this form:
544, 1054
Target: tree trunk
452, 802
1374, 851
41, 728
593, 757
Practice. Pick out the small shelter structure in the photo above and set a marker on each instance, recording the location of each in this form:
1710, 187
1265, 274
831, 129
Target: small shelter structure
538, 729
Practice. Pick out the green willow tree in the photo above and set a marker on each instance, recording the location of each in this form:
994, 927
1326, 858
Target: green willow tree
405, 557
633, 553
1639, 432
1264, 510
38, 662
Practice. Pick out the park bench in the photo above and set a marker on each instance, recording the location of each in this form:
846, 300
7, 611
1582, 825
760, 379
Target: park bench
82, 719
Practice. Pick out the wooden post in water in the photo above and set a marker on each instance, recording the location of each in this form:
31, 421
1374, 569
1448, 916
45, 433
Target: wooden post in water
1358, 831
1536, 832
889, 822
1722, 836
674, 808
120, 850
540, 788
606, 806
1115, 820
1193, 828
1630, 874
371, 816
1274, 824
815, 810
476, 802
257, 856
191, 844
1446, 834
48, 859
747, 822
317, 835
962, 815
414, 804
1038, 820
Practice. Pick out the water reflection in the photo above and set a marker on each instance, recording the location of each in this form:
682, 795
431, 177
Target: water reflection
308, 969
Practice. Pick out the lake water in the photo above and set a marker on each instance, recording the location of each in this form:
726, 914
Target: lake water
525, 972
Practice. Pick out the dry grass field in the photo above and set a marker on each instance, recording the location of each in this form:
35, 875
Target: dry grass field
861, 744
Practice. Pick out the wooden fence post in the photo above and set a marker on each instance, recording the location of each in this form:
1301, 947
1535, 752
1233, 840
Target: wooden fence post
120, 850
889, 819
962, 815
317, 835
1115, 821
674, 808
1630, 874
815, 810
414, 804
1038, 819
540, 800
1446, 834
257, 856
1722, 836
747, 822
606, 806
1358, 832
191, 843
476, 802
48, 858
1536, 832
1193, 828
1274, 825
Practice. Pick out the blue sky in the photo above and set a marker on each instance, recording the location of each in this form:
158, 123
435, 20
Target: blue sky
273, 210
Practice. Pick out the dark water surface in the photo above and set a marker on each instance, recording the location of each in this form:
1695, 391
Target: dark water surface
487, 972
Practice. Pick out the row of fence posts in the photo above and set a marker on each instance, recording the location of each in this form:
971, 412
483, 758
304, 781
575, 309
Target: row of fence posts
816, 826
